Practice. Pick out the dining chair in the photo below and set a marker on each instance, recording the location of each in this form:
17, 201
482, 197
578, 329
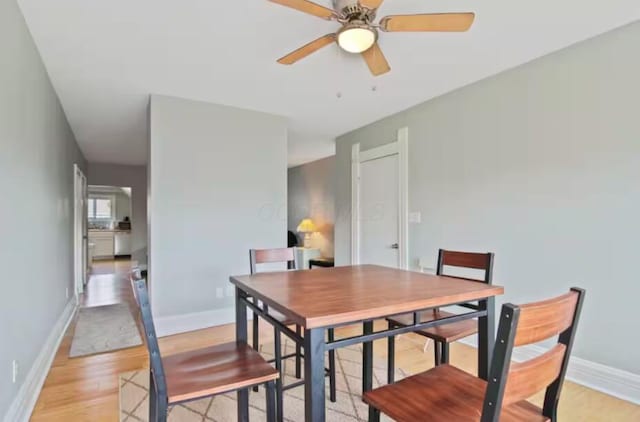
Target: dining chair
200, 373
445, 393
280, 255
445, 334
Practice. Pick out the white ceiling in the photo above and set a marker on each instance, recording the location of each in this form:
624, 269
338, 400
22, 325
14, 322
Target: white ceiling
106, 57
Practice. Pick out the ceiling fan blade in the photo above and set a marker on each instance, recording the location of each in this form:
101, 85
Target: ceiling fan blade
371, 4
307, 7
436, 22
307, 49
376, 61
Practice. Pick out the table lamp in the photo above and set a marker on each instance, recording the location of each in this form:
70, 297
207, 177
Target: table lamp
307, 227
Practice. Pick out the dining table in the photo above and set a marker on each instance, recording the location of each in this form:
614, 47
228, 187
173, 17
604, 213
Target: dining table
334, 297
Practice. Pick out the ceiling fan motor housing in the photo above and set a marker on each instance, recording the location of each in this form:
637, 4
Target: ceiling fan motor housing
339, 5
351, 10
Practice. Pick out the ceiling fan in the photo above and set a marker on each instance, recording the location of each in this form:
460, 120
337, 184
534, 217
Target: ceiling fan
359, 35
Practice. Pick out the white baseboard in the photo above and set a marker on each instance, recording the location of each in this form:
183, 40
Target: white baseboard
24, 402
166, 326
606, 379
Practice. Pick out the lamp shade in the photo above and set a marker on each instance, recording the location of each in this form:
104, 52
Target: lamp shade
306, 226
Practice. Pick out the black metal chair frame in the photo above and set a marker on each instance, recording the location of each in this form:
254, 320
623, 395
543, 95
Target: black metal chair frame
298, 354
158, 399
440, 349
501, 362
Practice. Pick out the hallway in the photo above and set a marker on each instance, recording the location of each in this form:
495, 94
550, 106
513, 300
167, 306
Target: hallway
108, 284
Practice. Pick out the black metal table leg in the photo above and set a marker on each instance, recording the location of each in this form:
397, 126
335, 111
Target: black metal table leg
314, 346
367, 358
255, 333
277, 353
445, 352
271, 402
241, 336
374, 414
391, 357
332, 368
298, 354
486, 336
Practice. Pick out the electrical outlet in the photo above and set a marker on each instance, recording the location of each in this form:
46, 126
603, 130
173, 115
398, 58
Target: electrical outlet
66, 292
230, 291
16, 367
219, 293
415, 217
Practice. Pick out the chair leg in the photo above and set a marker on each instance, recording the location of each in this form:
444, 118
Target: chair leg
332, 368
391, 357
298, 354
437, 353
278, 360
374, 414
271, 401
445, 352
153, 399
158, 406
256, 338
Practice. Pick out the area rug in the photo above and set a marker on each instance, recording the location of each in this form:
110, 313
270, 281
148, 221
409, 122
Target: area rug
134, 394
104, 328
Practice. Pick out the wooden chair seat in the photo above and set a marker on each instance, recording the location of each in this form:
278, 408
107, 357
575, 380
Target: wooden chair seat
447, 333
214, 370
444, 393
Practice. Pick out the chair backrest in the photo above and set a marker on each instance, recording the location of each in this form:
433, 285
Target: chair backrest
472, 260
267, 256
141, 294
527, 324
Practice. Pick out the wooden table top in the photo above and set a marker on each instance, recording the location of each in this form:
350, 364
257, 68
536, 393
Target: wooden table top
332, 296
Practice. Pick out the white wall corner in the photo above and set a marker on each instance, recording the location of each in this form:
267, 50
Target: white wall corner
606, 379
24, 402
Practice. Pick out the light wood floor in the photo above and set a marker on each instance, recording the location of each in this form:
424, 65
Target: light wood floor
86, 388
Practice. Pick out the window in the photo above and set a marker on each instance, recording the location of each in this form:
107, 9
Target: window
100, 208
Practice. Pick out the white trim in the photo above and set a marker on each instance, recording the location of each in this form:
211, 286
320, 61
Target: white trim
355, 204
400, 147
24, 402
379, 152
175, 324
403, 197
606, 379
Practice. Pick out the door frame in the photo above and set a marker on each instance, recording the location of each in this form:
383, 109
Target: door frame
80, 243
400, 147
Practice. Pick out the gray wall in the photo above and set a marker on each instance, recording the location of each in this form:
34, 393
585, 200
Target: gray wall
123, 206
134, 177
37, 153
218, 187
311, 191
541, 165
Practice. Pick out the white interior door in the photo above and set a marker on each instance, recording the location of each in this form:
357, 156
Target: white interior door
378, 211
80, 230
85, 232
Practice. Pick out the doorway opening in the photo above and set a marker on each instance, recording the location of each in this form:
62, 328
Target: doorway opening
379, 204
108, 216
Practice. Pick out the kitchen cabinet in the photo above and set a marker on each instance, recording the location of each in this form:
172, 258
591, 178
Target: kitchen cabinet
122, 243
103, 243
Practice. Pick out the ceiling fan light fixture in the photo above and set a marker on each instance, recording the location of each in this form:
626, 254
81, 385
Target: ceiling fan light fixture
355, 38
